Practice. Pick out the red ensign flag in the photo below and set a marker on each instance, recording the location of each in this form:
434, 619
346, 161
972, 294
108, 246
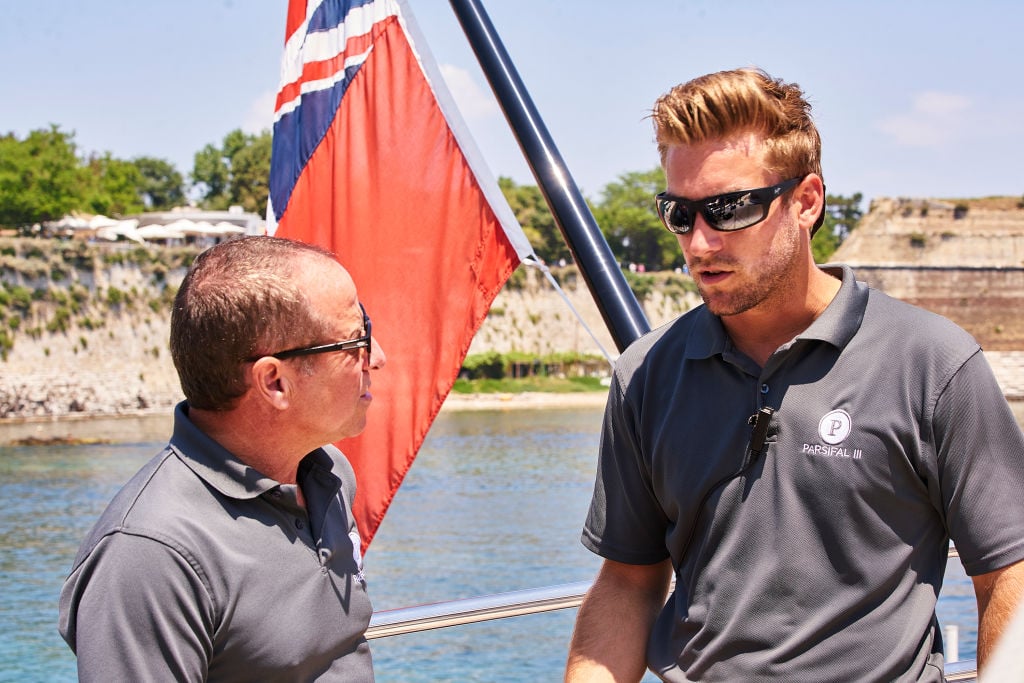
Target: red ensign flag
372, 162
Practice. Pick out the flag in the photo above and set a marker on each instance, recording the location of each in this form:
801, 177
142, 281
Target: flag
371, 161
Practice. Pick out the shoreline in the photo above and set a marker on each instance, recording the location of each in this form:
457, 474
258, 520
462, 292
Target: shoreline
524, 401
154, 424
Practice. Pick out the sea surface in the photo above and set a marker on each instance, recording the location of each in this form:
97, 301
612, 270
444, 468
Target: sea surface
494, 503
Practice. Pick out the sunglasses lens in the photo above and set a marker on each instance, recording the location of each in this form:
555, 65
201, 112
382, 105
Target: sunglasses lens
734, 212
674, 215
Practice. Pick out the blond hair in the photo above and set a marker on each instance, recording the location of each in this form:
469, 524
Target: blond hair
727, 103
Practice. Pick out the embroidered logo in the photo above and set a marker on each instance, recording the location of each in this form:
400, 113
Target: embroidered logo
833, 430
357, 553
835, 427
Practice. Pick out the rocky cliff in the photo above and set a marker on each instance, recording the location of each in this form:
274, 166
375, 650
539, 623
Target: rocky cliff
109, 354
85, 332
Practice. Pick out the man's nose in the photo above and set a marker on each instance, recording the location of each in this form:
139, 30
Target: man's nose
376, 358
702, 238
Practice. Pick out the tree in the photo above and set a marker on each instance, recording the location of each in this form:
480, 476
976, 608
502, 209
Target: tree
842, 214
250, 174
212, 177
236, 173
533, 214
630, 222
114, 186
162, 186
41, 179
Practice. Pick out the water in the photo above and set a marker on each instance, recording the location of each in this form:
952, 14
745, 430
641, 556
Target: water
494, 503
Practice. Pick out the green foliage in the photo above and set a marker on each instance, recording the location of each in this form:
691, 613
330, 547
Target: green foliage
842, 215
630, 222
532, 212
41, 179
20, 298
162, 186
509, 385
60, 321
236, 173
115, 186
492, 366
116, 297
641, 284
483, 365
6, 344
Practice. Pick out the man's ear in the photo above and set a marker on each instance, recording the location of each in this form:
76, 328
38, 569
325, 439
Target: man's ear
271, 382
810, 193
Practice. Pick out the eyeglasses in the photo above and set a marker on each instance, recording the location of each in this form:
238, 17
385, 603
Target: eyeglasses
723, 212
347, 345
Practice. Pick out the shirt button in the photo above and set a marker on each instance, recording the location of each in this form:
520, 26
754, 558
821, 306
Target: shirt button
298, 523
764, 388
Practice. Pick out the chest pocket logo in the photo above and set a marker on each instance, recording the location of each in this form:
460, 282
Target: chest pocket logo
835, 427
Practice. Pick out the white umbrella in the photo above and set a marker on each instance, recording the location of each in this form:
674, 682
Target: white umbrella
100, 221
182, 225
68, 222
226, 228
160, 232
126, 229
200, 228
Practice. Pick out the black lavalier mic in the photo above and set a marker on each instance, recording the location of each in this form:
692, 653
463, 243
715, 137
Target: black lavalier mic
760, 421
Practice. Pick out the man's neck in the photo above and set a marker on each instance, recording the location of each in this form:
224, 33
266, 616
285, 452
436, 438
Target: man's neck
237, 433
759, 332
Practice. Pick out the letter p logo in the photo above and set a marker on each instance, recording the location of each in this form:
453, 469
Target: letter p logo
835, 427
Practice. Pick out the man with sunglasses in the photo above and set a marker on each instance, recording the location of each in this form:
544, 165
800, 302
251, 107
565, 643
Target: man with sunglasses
233, 555
797, 453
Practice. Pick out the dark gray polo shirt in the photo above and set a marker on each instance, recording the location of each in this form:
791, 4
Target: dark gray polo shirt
201, 568
821, 558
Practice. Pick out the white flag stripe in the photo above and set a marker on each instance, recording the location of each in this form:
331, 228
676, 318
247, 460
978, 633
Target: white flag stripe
302, 49
320, 84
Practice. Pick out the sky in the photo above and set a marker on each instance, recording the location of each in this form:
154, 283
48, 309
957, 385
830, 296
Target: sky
913, 99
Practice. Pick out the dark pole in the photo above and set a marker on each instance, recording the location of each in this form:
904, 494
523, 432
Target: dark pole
619, 308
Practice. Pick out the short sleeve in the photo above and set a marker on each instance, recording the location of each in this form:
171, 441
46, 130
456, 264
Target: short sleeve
625, 522
137, 610
980, 451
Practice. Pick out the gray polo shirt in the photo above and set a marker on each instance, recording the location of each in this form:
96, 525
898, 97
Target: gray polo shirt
201, 568
821, 557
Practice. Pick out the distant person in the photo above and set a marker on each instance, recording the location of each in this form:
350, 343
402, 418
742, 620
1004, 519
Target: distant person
797, 452
233, 555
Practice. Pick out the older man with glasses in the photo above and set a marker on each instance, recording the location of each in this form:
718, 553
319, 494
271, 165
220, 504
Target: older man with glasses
797, 452
233, 554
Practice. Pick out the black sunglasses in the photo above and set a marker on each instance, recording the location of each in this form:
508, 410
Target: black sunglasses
724, 212
347, 345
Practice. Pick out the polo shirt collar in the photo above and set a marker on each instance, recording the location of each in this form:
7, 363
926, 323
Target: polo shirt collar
707, 337
842, 317
836, 325
213, 463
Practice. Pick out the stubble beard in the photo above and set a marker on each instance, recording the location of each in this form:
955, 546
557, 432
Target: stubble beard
767, 286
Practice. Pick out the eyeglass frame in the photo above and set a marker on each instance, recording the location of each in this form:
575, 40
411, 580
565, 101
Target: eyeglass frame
346, 345
695, 206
